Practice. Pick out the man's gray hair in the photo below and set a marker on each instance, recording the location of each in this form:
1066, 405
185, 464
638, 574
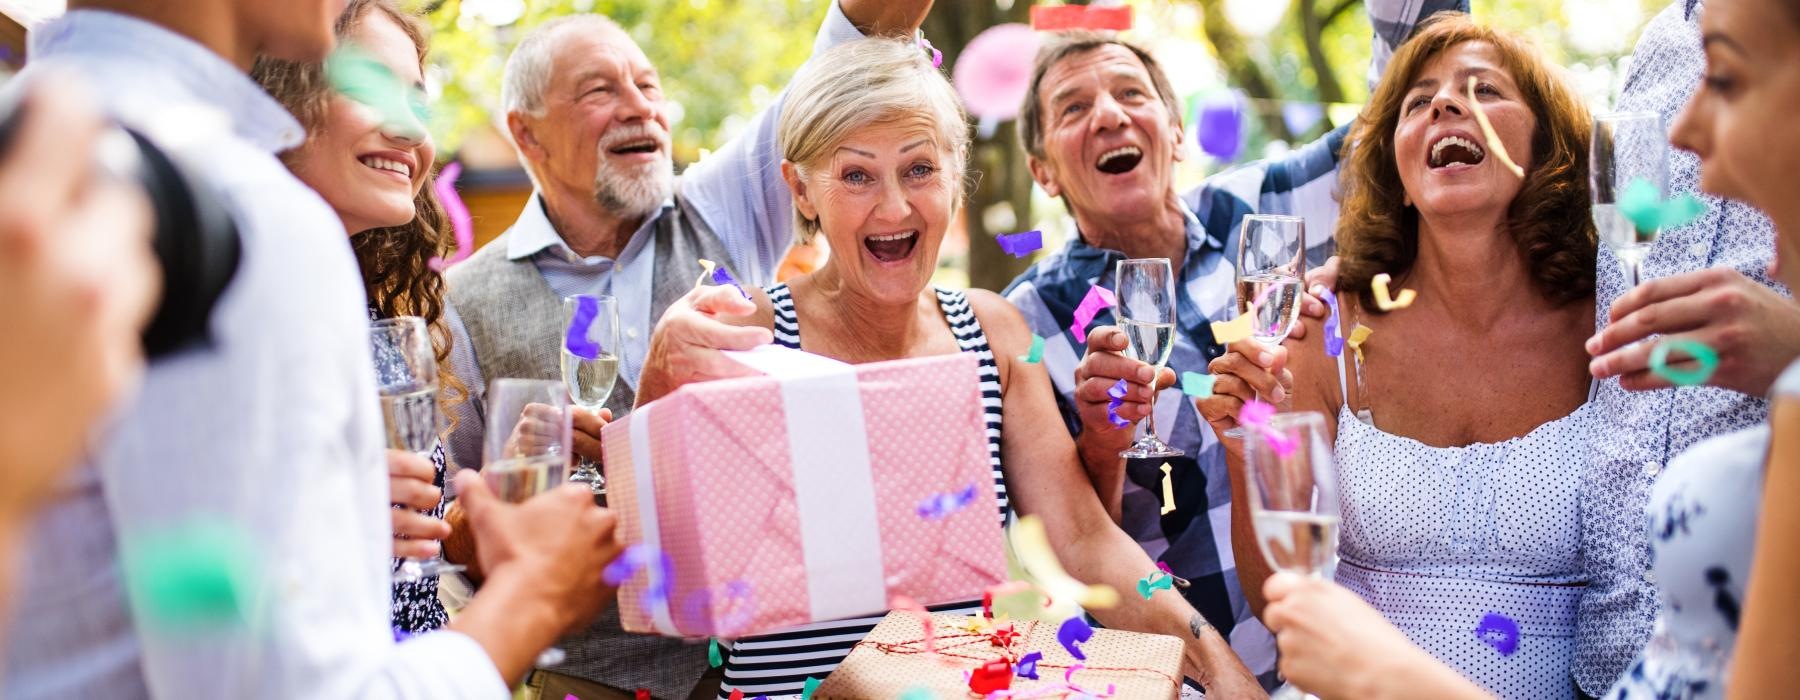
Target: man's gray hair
528, 68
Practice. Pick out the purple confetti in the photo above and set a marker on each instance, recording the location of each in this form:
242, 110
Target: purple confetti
1117, 392
721, 276
401, 635
1028, 665
705, 604
941, 505
576, 339
1073, 632
937, 57
1334, 337
1500, 632
636, 558
1020, 245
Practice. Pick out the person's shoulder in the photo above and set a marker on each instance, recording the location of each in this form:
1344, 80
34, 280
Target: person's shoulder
999, 318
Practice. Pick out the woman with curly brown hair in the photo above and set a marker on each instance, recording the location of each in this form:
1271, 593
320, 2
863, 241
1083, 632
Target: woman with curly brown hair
1461, 439
375, 171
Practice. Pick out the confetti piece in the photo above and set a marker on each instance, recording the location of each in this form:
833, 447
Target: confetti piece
638, 557
1487, 130
940, 506
1031, 545
1069, 674
1116, 399
1705, 357
1073, 632
1384, 300
1359, 335
1179, 581
1334, 336
1168, 488
912, 607
1028, 665
401, 635
722, 276
1002, 590
712, 654
1234, 330
1282, 443
706, 271
1153, 583
571, 696
735, 604
575, 338
917, 693
1197, 385
190, 577
991, 677
937, 57
1499, 632
642, 694
358, 76
737, 694
1256, 413
461, 224
1046, 18
1036, 355
1097, 298
1020, 245
811, 686
1643, 205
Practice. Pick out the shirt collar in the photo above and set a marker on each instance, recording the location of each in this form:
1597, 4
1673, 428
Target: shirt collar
152, 49
1088, 262
533, 233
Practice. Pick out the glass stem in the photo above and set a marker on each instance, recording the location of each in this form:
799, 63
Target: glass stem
1634, 272
1150, 420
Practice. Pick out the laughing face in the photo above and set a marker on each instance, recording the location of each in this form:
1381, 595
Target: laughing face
1442, 157
883, 200
1110, 144
366, 170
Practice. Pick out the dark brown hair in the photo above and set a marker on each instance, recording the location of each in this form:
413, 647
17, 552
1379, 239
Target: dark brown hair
394, 259
1549, 220
1058, 46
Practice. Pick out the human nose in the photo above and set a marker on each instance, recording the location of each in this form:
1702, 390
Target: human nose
1447, 104
1108, 113
1689, 133
634, 105
894, 205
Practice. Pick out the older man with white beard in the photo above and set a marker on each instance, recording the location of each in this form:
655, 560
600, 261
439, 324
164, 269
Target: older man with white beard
585, 108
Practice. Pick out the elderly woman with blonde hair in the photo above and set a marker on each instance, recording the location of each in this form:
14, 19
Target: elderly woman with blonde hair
874, 142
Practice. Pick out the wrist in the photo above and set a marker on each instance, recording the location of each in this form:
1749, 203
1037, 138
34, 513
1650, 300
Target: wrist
510, 622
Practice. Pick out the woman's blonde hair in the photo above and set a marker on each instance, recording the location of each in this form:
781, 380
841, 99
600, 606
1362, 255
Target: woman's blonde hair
863, 83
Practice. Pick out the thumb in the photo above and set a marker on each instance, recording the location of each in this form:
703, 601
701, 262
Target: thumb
1280, 585
473, 493
722, 300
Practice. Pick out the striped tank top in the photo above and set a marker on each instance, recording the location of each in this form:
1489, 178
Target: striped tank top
779, 663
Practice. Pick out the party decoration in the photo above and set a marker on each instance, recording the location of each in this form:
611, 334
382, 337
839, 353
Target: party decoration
1301, 117
991, 677
737, 694
1334, 337
1116, 398
1359, 335
1256, 414
1020, 245
192, 577
1046, 18
1499, 632
706, 271
903, 604
1387, 302
642, 694
357, 75
1643, 205
1154, 582
918, 694
1097, 298
719, 276
811, 686
637, 558
1487, 131
713, 657
1197, 385
1031, 544
1073, 632
1233, 331
1706, 359
937, 57
462, 225
941, 505
993, 73
575, 338
1220, 128
1180, 582
1168, 489
1036, 355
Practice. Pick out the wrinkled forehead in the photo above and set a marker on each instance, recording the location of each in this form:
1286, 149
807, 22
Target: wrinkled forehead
1089, 71
579, 54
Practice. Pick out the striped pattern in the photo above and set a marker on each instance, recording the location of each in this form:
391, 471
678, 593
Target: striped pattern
779, 663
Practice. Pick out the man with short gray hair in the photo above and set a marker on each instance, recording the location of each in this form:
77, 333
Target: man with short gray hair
585, 109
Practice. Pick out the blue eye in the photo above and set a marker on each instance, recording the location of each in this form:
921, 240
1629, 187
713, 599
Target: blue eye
921, 170
857, 177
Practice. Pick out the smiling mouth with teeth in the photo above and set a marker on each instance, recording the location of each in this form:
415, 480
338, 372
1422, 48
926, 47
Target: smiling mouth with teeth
892, 248
635, 147
1119, 160
1452, 150
388, 165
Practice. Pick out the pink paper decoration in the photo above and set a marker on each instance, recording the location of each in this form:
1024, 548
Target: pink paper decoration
993, 72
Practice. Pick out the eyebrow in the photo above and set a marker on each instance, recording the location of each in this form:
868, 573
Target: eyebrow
1115, 71
867, 154
1715, 37
1462, 76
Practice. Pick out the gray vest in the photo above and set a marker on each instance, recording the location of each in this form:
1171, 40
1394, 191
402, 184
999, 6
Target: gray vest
516, 325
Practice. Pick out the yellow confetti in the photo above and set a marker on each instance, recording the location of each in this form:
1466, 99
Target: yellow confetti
706, 270
1357, 335
1386, 302
1487, 130
1031, 544
1168, 485
1232, 331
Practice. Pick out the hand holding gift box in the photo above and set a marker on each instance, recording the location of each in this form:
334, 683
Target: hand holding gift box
815, 493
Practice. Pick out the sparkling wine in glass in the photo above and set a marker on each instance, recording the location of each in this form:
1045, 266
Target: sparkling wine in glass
1271, 265
526, 449
1628, 148
1146, 292
1292, 487
590, 380
406, 377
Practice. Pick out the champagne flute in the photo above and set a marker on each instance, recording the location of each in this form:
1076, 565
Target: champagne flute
590, 379
1627, 147
1146, 292
526, 449
1271, 265
1293, 497
407, 378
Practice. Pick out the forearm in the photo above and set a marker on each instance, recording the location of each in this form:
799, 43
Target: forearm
1759, 668
510, 624
886, 17
1106, 471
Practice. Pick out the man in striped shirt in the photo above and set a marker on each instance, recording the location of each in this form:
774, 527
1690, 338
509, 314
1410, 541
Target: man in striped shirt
1103, 132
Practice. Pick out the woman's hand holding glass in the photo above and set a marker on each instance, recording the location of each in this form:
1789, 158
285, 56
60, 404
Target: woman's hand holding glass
1248, 370
411, 487
1334, 645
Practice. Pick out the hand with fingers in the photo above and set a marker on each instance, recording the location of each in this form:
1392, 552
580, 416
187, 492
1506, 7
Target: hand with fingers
587, 426
1102, 368
538, 432
414, 495
1333, 644
1754, 329
1310, 305
1248, 370
688, 342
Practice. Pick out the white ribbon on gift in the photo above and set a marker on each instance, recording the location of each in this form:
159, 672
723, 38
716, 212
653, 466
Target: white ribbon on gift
646, 502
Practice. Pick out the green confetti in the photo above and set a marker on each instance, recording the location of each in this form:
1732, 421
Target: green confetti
712, 655
812, 686
1197, 385
1642, 204
1037, 350
358, 76
918, 694
1156, 581
194, 576
1705, 357
1682, 210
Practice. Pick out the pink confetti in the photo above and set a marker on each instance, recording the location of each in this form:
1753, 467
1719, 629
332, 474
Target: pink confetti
912, 607
1256, 413
1097, 298
461, 223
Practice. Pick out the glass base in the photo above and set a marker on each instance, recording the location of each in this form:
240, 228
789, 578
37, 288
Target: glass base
416, 570
586, 472
1149, 446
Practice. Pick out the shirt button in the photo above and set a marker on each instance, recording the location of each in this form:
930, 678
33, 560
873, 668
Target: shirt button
1652, 468
1650, 577
631, 333
1698, 250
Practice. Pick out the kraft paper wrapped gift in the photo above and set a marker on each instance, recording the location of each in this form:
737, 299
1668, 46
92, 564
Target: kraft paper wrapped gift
891, 661
796, 496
